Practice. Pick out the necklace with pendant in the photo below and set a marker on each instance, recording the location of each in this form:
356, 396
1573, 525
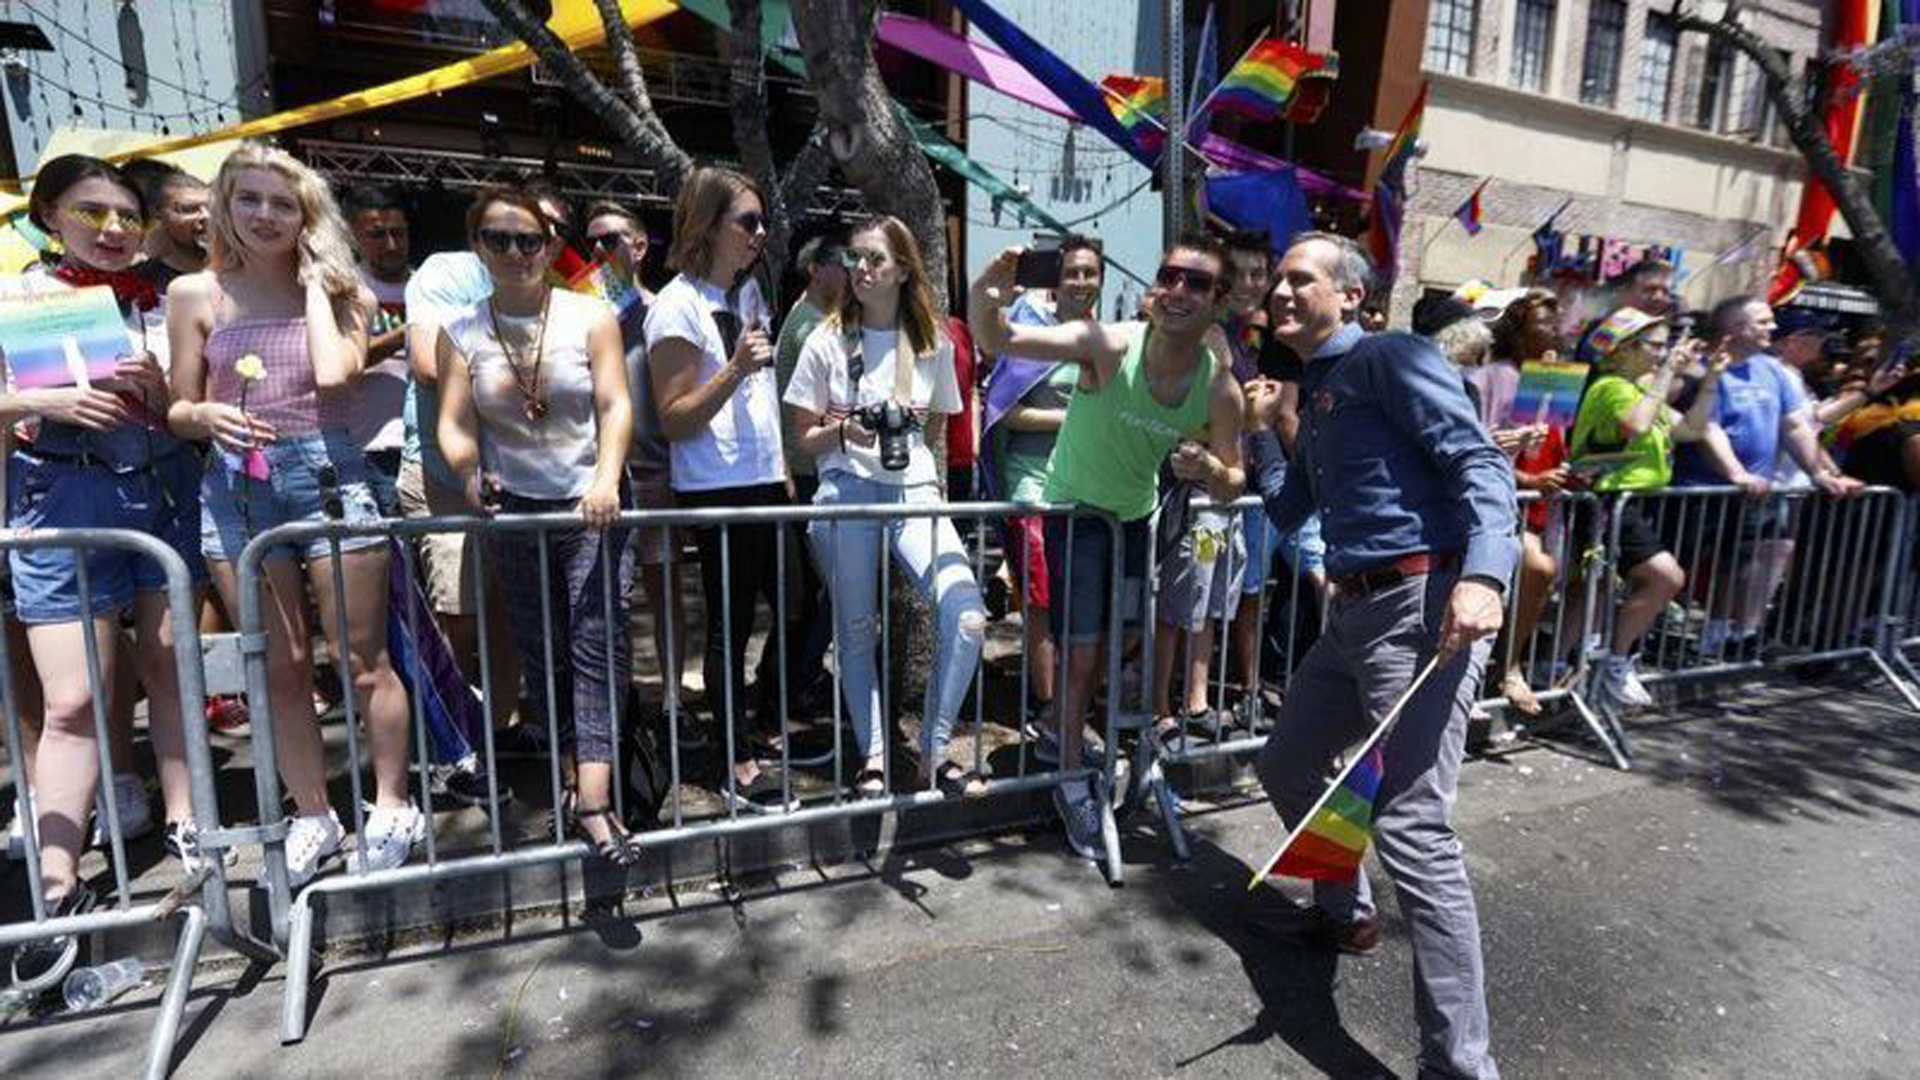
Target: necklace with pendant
526, 375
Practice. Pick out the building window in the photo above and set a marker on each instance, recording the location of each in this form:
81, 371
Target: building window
1655, 80
1716, 87
1532, 42
1600, 68
1450, 27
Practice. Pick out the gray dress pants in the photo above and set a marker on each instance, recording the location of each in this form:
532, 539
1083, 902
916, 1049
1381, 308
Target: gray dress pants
1373, 647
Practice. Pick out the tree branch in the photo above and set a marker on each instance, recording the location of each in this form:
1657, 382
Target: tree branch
625, 61
808, 169
640, 129
1892, 279
747, 102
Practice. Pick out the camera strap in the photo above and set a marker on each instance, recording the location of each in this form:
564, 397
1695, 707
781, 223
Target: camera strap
857, 370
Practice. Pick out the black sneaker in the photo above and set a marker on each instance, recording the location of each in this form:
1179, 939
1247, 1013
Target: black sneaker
468, 787
38, 966
520, 741
762, 796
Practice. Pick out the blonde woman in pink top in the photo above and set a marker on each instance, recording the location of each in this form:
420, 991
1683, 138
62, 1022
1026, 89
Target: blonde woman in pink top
279, 320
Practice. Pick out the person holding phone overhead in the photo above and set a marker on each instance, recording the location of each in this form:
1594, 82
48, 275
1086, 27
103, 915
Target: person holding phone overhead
710, 364
1624, 414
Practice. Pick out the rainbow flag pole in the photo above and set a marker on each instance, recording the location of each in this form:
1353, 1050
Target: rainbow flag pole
1365, 756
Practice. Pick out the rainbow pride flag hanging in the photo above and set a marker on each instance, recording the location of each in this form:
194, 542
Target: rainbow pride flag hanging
1329, 844
1139, 102
1264, 84
1390, 193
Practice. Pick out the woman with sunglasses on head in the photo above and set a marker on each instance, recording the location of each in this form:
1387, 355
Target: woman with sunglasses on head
709, 362
97, 458
267, 343
869, 380
533, 390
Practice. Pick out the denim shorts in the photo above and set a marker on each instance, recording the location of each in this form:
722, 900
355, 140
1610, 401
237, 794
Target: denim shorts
1257, 534
1080, 576
162, 501
234, 508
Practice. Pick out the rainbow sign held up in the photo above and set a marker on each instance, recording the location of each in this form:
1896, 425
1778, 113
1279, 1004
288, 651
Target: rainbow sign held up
72, 337
1549, 393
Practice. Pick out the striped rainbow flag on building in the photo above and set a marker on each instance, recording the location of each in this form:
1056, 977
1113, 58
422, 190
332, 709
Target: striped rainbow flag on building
1264, 82
1139, 102
1330, 842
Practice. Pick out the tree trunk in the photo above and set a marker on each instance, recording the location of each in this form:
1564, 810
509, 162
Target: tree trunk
632, 119
1890, 278
873, 150
877, 154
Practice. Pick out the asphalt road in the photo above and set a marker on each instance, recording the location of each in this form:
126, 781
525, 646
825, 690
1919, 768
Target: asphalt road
1741, 905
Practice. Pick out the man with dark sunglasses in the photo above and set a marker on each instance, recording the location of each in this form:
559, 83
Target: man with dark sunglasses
1417, 508
1147, 390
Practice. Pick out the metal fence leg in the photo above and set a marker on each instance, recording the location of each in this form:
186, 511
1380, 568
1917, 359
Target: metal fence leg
173, 1001
293, 1001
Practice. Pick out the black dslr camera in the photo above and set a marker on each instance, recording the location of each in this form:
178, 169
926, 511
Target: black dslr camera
892, 422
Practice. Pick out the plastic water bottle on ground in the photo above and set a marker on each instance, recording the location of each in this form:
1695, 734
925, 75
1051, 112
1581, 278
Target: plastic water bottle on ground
93, 987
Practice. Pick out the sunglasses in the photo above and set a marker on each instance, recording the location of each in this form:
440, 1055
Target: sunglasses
501, 241
102, 218
1196, 281
872, 260
751, 221
607, 241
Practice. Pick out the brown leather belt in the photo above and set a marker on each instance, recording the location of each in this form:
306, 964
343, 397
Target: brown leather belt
1365, 582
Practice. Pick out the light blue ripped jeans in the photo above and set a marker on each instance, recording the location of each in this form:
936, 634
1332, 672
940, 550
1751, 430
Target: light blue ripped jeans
930, 554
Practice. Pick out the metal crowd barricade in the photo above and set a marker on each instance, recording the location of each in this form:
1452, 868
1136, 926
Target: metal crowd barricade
1822, 572
1554, 649
292, 915
210, 912
1902, 631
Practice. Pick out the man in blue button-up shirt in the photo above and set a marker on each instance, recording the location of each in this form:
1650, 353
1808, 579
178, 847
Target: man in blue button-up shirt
1417, 507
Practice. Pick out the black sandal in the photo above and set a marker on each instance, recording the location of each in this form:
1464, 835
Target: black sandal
955, 782
618, 848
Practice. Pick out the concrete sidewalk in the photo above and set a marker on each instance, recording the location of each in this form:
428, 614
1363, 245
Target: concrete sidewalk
1740, 905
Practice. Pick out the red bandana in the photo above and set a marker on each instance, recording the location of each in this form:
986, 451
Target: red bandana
130, 287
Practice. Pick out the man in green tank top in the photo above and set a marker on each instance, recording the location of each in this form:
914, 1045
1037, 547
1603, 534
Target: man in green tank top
1147, 390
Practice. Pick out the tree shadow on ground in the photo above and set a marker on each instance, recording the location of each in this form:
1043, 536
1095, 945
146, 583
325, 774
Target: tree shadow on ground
1779, 747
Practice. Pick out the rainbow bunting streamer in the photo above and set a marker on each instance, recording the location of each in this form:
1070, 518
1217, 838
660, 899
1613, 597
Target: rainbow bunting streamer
1139, 102
1330, 845
1265, 82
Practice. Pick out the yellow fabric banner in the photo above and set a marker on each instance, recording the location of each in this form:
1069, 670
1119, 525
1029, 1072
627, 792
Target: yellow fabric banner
576, 22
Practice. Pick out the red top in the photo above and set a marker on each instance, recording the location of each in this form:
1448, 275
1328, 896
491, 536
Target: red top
962, 440
1545, 456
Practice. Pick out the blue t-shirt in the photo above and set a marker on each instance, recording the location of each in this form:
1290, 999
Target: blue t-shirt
444, 287
1755, 396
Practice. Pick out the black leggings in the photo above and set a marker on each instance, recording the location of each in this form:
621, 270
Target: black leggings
750, 574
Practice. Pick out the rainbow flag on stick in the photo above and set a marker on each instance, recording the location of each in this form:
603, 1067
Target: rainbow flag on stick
1390, 194
1139, 102
1331, 837
1469, 213
1264, 83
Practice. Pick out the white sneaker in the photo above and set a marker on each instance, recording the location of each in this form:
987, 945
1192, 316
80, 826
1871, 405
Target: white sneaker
390, 834
1619, 681
130, 800
311, 839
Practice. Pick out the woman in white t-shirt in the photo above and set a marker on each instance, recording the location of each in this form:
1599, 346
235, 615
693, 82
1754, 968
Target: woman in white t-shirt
709, 364
870, 379
533, 388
